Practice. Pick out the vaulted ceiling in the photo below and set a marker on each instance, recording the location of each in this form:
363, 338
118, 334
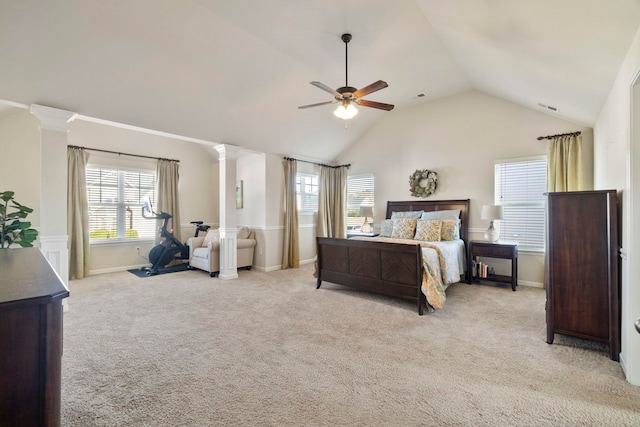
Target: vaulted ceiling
235, 71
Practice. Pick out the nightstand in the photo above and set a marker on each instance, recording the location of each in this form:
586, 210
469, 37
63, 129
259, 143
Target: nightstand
500, 249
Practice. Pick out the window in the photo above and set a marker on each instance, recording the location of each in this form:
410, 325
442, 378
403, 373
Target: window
359, 193
115, 204
520, 185
307, 192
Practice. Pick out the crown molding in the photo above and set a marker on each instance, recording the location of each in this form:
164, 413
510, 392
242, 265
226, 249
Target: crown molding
53, 118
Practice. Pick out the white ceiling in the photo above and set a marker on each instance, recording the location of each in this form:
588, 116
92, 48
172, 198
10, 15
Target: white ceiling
235, 71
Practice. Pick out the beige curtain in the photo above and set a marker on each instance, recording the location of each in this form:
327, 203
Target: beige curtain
332, 202
290, 249
168, 196
77, 213
564, 157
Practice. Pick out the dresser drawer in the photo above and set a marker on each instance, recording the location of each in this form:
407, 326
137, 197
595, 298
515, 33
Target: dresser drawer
492, 251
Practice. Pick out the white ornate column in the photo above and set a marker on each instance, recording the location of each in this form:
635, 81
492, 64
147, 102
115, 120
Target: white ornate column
54, 127
227, 155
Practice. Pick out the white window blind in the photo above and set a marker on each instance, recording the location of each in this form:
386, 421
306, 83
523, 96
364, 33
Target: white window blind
307, 192
520, 185
360, 189
115, 204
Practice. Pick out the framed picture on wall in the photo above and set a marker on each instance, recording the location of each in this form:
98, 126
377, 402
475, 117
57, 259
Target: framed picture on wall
239, 186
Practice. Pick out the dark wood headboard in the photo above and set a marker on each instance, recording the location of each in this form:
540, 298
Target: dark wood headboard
435, 205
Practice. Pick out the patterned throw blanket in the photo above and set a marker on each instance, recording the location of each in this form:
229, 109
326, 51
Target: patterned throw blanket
439, 267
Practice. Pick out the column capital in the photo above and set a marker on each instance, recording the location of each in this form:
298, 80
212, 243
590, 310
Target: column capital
52, 118
227, 152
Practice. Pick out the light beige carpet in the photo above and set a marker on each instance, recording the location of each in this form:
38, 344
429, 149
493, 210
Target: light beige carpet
268, 349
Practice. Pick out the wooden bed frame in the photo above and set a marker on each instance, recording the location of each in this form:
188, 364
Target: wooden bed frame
393, 269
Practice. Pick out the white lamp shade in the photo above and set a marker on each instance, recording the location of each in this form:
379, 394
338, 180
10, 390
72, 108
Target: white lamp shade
366, 211
492, 212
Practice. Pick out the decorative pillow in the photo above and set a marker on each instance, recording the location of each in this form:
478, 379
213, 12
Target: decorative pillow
407, 214
212, 236
243, 233
450, 229
428, 230
403, 228
444, 214
386, 228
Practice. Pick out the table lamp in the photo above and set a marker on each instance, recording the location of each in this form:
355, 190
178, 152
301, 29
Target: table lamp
366, 212
492, 213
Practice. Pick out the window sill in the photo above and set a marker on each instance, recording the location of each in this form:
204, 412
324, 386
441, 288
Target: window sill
112, 242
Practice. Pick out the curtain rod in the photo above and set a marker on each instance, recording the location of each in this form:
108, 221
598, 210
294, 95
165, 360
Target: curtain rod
559, 135
319, 164
122, 154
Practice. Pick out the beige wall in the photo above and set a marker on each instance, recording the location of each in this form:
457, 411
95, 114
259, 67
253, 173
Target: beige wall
459, 137
251, 169
617, 160
198, 185
20, 170
20, 138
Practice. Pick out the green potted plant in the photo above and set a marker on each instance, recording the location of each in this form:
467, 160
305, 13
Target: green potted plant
12, 229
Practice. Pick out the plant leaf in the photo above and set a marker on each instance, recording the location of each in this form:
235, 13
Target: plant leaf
6, 195
21, 207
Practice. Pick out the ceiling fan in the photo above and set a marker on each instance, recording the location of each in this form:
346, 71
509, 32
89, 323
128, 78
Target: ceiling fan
347, 96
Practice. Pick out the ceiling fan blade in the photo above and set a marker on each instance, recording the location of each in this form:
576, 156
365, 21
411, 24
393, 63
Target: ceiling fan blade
370, 89
374, 104
326, 88
317, 105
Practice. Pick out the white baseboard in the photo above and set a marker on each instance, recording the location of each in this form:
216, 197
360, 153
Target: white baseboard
116, 269
279, 267
532, 284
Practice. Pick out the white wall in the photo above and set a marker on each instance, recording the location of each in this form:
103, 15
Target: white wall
617, 160
459, 137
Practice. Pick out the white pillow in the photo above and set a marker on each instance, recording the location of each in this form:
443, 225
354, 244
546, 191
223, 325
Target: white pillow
386, 228
406, 214
444, 214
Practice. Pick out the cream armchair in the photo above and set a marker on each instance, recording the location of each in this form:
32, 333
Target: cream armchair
204, 251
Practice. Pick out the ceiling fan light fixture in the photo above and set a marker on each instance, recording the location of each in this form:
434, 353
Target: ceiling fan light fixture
346, 111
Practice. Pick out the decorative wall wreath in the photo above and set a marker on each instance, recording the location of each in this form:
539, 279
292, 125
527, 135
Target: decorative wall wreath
423, 183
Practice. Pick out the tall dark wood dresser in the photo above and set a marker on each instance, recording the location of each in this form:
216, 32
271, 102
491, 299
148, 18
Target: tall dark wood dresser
31, 295
582, 267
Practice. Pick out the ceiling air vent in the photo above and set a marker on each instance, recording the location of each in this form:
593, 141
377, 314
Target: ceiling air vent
548, 107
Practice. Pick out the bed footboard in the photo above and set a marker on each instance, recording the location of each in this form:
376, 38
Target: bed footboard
387, 268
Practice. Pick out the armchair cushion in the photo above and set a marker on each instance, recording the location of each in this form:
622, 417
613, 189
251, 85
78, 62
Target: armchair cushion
244, 233
212, 236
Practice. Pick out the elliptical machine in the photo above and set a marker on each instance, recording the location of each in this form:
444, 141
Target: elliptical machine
169, 248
